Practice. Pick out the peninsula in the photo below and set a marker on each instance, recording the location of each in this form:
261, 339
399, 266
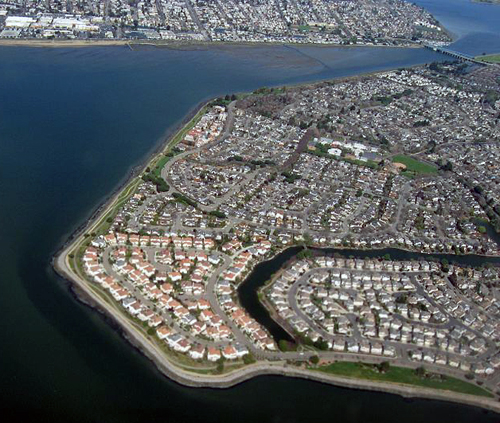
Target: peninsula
403, 160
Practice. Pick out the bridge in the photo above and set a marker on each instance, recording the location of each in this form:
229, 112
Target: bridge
460, 56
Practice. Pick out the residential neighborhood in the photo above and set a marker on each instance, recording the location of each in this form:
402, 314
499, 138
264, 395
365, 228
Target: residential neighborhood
393, 197
406, 310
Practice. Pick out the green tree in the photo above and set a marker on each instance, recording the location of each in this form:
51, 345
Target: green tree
314, 359
445, 265
249, 359
321, 344
420, 371
283, 345
220, 365
384, 367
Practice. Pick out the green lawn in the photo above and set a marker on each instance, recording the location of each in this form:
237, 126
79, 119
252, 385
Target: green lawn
413, 165
159, 166
403, 375
490, 58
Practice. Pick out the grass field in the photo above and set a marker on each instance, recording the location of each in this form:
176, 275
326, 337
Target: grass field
413, 165
403, 375
490, 58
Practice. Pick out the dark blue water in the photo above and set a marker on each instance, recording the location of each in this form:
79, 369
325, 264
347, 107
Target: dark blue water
73, 123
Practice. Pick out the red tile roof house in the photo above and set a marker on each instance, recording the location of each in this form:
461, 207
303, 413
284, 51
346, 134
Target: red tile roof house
120, 294
213, 354
230, 276
186, 263
134, 239
208, 243
165, 241
181, 312
204, 265
172, 304
145, 314
94, 269
212, 333
203, 304
187, 242
107, 281
148, 270
163, 332
177, 241
187, 287
178, 343
179, 255
164, 257
90, 256
230, 353
155, 321
167, 288
206, 315
225, 332
110, 239
163, 301
216, 320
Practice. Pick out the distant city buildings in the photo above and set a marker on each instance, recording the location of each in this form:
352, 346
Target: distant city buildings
363, 22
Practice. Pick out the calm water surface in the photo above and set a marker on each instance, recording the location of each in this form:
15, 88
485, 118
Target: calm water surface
73, 123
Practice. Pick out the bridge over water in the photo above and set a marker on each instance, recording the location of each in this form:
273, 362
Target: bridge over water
457, 55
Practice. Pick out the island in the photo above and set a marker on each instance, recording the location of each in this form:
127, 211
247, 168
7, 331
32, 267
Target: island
343, 231
170, 22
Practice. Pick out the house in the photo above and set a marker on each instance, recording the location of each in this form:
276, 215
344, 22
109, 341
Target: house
197, 352
203, 304
198, 327
145, 314
135, 308
175, 276
163, 332
230, 353
155, 321
213, 354
167, 288
241, 350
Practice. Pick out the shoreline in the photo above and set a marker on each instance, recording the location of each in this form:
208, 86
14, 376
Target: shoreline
81, 289
176, 44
